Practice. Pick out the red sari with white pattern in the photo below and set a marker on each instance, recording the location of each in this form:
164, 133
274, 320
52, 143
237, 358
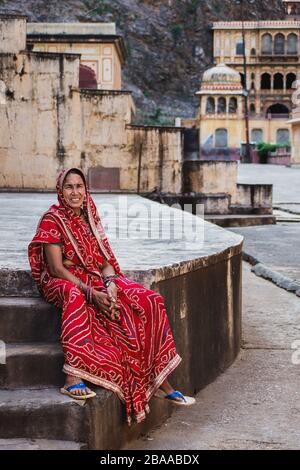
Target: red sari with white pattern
132, 358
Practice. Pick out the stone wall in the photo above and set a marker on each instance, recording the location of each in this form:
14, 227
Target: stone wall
48, 123
160, 153
34, 117
295, 140
12, 33
211, 177
258, 197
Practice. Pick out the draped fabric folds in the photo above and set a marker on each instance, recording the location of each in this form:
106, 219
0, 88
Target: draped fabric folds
132, 358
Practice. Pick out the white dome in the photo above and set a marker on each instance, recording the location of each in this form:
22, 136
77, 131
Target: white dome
221, 79
221, 73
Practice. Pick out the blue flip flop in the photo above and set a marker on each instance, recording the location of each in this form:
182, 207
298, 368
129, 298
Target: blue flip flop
80, 385
184, 400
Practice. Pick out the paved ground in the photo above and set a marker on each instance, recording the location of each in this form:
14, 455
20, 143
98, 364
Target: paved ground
277, 246
255, 404
285, 180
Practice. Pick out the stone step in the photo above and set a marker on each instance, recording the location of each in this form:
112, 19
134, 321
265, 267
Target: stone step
40, 444
236, 220
28, 319
32, 365
41, 414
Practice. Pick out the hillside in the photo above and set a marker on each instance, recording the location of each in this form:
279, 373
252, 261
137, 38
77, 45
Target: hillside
169, 42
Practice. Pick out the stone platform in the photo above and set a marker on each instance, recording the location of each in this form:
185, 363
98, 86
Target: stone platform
199, 278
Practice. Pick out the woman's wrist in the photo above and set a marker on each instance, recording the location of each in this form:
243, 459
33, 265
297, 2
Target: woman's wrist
88, 291
108, 283
110, 278
82, 286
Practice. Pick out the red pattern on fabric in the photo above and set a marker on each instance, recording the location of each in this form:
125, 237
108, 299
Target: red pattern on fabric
132, 358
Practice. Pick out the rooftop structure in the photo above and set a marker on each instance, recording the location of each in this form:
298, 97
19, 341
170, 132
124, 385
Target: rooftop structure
102, 51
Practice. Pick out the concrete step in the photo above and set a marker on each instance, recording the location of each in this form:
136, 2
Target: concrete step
41, 414
28, 319
284, 216
235, 220
32, 365
40, 444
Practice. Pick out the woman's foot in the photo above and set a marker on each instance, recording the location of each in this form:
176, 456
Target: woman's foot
175, 396
167, 388
71, 380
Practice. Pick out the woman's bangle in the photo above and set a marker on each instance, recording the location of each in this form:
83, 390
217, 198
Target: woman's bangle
88, 292
89, 295
108, 279
82, 287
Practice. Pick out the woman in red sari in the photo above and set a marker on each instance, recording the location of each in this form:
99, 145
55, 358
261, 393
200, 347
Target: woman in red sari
114, 333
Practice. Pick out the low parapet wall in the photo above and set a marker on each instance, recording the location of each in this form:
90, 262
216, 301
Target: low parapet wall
256, 197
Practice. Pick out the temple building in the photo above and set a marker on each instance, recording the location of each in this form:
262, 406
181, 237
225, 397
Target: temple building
221, 112
102, 51
272, 67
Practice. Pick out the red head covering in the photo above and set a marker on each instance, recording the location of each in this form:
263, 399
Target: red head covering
65, 224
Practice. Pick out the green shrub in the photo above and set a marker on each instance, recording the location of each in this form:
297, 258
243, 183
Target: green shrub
263, 149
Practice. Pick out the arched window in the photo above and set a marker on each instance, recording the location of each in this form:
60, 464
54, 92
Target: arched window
239, 47
290, 79
282, 136
221, 138
252, 108
252, 76
252, 85
210, 105
292, 44
278, 81
279, 44
257, 135
253, 51
232, 105
278, 108
265, 81
266, 44
221, 105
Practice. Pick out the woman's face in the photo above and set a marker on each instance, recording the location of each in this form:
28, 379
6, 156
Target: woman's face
74, 191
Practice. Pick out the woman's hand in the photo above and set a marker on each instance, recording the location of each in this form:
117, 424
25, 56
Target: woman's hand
104, 304
112, 293
101, 301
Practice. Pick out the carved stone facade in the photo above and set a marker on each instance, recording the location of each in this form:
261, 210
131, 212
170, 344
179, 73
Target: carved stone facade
272, 55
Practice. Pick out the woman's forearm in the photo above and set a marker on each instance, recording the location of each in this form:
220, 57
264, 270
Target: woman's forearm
63, 273
56, 267
108, 270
